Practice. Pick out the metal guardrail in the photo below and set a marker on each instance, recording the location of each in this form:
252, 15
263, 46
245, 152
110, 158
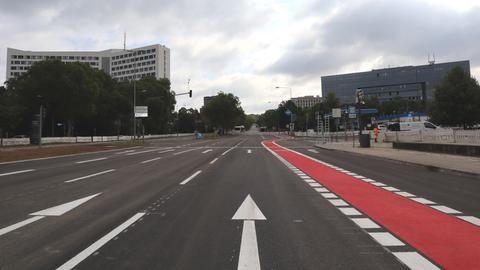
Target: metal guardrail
84, 139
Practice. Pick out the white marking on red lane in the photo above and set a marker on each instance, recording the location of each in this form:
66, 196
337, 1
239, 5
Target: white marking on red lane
349, 211
365, 223
445, 209
338, 202
90, 160
471, 219
17, 172
405, 194
415, 261
423, 201
329, 195
190, 178
70, 264
88, 176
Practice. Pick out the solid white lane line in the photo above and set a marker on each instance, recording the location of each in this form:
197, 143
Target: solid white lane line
249, 258
422, 201
405, 194
70, 264
365, 223
471, 219
190, 178
338, 202
150, 160
17, 172
349, 211
19, 224
213, 161
445, 209
386, 239
165, 151
88, 176
141, 152
206, 151
189, 150
90, 160
415, 261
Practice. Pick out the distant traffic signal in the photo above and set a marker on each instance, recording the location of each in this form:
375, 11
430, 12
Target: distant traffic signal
190, 93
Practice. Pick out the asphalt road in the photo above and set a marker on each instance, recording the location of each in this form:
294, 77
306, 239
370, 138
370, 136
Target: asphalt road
229, 203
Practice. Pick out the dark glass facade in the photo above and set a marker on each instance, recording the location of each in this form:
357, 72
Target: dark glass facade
408, 82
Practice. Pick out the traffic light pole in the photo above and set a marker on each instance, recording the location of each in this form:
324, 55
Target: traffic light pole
40, 122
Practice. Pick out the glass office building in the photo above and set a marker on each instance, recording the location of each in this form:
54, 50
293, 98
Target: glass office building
408, 82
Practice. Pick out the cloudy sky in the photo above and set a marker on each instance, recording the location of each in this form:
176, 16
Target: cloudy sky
248, 47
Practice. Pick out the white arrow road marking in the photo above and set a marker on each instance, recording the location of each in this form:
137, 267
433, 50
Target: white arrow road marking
88, 176
249, 151
63, 208
53, 211
19, 225
248, 212
313, 151
90, 160
70, 264
206, 151
16, 172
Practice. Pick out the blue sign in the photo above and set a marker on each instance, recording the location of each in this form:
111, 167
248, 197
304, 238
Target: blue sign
288, 112
368, 111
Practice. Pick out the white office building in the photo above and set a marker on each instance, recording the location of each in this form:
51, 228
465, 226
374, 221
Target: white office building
153, 60
306, 101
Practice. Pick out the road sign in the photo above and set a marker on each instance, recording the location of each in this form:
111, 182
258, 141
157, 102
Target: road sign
352, 115
141, 111
288, 112
336, 113
352, 109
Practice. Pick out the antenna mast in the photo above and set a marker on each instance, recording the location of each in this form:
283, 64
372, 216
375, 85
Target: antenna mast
125, 41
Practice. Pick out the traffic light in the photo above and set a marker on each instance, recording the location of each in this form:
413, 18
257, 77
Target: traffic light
190, 93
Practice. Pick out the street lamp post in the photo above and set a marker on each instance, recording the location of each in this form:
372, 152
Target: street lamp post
135, 54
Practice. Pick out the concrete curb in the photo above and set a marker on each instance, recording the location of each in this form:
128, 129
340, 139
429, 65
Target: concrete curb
430, 167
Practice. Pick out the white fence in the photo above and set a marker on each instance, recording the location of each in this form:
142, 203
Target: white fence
85, 139
441, 136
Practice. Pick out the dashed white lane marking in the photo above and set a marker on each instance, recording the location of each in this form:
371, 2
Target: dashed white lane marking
213, 161
142, 152
445, 209
90, 160
70, 264
19, 224
386, 239
305, 177
206, 151
471, 219
349, 211
368, 180
165, 151
415, 261
190, 178
249, 151
329, 195
365, 223
391, 188
17, 172
405, 194
378, 184
313, 151
422, 201
88, 176
338, 202
321, 190
309, 180
314, 184
178, 153
150, 160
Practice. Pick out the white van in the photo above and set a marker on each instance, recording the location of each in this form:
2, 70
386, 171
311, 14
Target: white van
407, 126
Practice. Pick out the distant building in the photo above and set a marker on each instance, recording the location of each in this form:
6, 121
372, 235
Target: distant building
153, 60
207, 99
306, 101
408, 82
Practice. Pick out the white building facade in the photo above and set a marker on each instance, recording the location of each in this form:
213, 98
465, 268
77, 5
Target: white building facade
153, 60
306, 101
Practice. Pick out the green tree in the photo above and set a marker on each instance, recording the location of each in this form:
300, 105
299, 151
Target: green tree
10, 112
188, 120
456, 100
223, 112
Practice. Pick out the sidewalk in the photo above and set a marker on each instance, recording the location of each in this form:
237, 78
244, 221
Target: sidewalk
384, 150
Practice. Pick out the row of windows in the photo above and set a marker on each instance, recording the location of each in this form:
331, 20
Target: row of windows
138, 52
23, 62
41, 57
132, 65
132, 60
131, 77
133, 71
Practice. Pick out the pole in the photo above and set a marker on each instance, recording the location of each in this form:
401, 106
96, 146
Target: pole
40, 125
134, 94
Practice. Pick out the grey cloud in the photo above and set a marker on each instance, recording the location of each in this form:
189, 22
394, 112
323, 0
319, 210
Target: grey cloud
395, 30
